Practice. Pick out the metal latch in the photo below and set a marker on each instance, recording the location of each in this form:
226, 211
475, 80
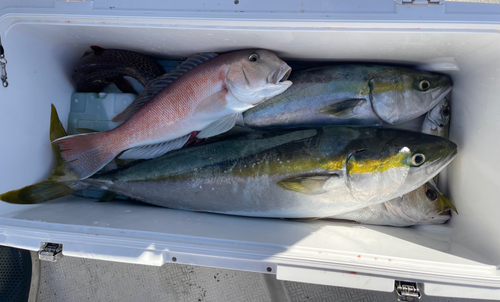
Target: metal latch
50, 251
3, 70
420, 2
407, 291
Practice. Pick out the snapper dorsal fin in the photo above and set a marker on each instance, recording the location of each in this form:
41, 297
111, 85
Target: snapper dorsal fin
160, 83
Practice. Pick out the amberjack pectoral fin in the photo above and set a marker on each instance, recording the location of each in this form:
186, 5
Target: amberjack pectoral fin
343, 109
309, 184
219, 126
154, 150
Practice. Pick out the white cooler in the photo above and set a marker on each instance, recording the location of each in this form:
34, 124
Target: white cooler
43, 40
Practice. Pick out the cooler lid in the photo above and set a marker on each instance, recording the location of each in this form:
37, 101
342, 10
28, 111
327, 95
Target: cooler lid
254, 10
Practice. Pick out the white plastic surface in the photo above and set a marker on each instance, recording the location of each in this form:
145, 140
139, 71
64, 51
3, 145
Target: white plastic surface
95, 110
332, 278
42, 48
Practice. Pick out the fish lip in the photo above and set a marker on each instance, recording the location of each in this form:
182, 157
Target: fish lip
447, 212
282, 75
438, 94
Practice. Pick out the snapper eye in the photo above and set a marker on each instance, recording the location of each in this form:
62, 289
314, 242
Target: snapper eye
253, 57
424, 85
417, 159
431, 194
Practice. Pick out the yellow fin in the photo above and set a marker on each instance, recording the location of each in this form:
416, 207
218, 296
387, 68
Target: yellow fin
56, 127
312, 184
57, 185
343, 109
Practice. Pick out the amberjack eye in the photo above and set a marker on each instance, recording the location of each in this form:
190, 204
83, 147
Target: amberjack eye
446, 111
417, 159
431, 194
424, 85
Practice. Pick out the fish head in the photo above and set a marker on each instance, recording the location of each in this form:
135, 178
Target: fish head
257, 75
440, 115
398, 163
402, 94
425, 205
427, 155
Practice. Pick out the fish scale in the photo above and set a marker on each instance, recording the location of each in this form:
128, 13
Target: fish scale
298, 173
351, 94
101, 67
206, 98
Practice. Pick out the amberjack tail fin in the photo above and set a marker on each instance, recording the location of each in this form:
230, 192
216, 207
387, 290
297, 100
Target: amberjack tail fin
37, 193
60, 181
88, 153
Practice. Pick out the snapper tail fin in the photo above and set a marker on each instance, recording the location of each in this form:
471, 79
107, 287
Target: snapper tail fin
85, 154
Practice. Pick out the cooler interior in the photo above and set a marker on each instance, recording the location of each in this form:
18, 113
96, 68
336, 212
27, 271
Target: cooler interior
41, 56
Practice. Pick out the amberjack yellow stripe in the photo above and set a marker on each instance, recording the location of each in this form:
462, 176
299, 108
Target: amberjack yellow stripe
377, 165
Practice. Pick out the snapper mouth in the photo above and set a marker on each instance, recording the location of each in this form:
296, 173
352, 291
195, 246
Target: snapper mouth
279, 75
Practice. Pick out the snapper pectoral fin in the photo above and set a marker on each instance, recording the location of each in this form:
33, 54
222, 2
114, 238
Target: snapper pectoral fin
343, 109
212, 104
313, 184
219, 126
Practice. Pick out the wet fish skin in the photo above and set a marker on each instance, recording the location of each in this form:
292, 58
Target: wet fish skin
207, 98
419, 207
300, 173
416, 207
100, 67
437, 120
353, 94
242, 176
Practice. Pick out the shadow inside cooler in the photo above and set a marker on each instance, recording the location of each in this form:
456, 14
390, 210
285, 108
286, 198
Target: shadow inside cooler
40, 60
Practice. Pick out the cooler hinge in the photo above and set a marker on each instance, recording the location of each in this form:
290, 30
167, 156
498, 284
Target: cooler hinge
420, 2
50, 251
407, 291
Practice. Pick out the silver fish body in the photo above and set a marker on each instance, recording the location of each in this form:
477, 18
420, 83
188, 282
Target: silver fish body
425, 205
437, 120
354, 95
285, 174
421, 206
